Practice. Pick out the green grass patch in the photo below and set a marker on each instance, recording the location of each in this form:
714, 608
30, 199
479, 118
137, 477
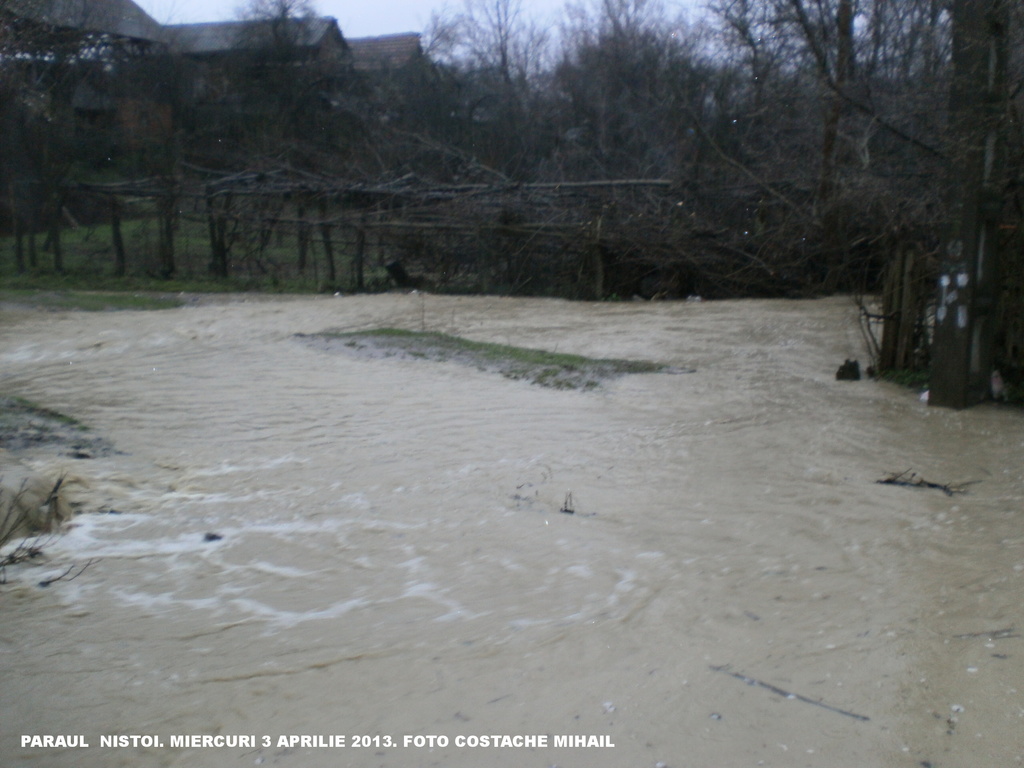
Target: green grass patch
88, 261
25, 425
905, 378
88, 301
14, 410
547, 369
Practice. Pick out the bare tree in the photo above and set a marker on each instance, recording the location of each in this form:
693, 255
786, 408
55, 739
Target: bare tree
275, 26
497, 57
498, 37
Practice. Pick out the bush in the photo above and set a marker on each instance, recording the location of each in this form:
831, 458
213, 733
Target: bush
34, 512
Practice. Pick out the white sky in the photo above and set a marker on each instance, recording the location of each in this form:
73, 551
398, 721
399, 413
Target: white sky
357, 18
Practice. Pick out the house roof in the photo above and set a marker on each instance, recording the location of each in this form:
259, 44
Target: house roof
221, 36
115, 17
387, 51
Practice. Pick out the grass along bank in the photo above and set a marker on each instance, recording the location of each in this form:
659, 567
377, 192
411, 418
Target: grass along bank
87, 301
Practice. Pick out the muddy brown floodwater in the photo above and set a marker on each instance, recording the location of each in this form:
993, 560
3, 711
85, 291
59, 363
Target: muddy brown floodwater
390, 559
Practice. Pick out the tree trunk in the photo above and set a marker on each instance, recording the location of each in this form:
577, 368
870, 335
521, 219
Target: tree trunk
19, 245
597, 262
832, 217
33, 254
54, 236
302, 233
18, 226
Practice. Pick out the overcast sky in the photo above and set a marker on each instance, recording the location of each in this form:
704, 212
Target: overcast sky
357, 18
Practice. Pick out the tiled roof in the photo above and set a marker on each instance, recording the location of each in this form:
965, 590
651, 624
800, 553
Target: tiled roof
124, 17
220, 36
116, 17
386, 51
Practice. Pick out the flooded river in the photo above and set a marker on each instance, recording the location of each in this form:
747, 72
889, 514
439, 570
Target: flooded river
295, 542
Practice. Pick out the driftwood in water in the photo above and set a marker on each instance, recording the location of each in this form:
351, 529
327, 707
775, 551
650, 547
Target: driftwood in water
912, 480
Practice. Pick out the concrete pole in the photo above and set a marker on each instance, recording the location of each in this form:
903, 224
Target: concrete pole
968, 294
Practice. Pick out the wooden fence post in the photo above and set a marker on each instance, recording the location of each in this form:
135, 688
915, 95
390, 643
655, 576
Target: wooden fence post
19, 234
325, 234
360, 255
166, 216
120, 261
57, 248
302, 234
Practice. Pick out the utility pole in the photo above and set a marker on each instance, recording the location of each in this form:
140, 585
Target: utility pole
968, 293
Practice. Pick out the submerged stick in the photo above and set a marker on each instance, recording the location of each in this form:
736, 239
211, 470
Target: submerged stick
787, 694
997, 634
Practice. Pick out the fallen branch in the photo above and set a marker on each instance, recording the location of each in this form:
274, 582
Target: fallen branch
786, 694
912, 480
26, 550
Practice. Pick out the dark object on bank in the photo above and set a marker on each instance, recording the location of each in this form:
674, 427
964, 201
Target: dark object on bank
400, 277
212, 537
848, 371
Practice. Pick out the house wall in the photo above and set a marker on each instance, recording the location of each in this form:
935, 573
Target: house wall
141, 122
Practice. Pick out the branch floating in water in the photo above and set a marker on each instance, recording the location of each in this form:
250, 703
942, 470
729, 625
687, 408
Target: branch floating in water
910, 479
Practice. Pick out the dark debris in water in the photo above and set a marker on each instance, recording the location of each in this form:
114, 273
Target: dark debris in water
910, 479
567, 506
